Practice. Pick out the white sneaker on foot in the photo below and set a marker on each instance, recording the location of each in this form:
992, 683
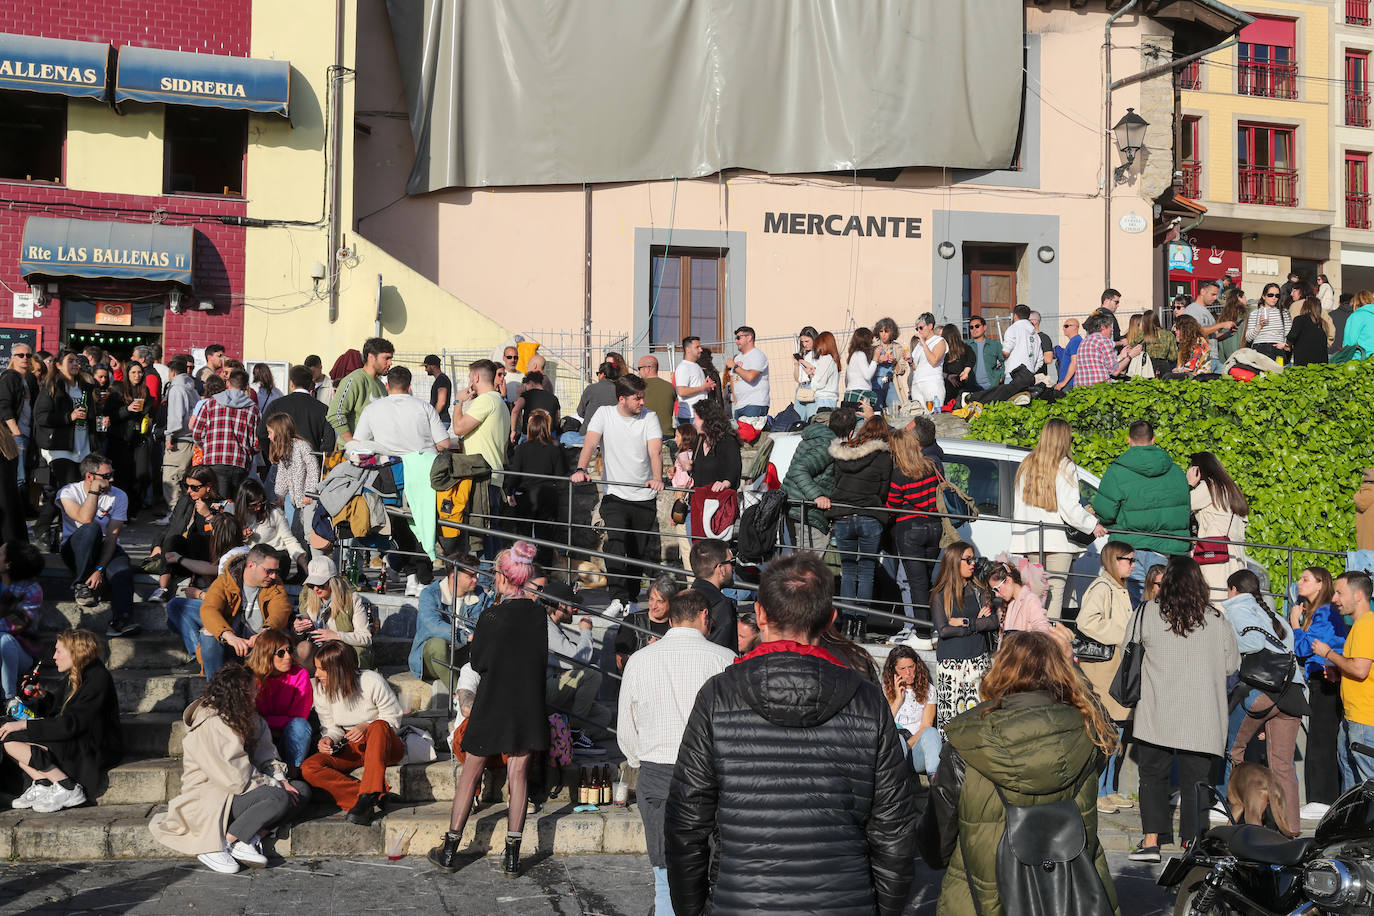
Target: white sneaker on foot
1312, 811
221, 861
1217, 815
164, 521
57, 798
30, 795
156, 596
901, 636
248, 855
412, 586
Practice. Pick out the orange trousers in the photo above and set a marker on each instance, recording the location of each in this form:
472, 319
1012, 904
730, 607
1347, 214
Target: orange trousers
380, 748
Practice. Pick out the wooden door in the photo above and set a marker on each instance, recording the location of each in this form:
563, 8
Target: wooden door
992, 293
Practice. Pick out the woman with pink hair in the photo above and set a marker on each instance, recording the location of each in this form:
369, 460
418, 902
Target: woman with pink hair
510, 648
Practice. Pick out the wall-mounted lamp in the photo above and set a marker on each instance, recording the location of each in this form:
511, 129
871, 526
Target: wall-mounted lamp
945, 250
174, 298
1130, 139
40, 294
1045, 253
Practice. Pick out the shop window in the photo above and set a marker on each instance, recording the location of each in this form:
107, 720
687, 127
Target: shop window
35, 130
686, 295
205, 151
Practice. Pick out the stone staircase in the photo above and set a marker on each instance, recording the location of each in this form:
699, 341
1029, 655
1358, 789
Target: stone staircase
154, 689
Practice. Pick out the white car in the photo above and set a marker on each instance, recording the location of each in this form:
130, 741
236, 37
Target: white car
986, 471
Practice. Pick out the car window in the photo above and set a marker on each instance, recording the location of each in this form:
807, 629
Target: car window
979, 478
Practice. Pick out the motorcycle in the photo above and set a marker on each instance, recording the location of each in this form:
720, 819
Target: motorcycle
1248, 870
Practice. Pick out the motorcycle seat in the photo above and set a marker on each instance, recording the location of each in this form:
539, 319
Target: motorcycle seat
1262, 845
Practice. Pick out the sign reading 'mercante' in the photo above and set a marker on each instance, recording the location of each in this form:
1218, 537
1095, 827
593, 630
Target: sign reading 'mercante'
838, 224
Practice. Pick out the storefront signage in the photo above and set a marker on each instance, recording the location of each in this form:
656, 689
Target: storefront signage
114, 313
209, 80
73, 68
1181, 257
1206, 255
840, 224
87, 248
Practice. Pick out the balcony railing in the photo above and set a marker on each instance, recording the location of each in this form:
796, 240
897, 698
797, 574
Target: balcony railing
1357, 12
1268, 79
1357, 108
1356, 211
1190, 77
1192, 177
1275, 187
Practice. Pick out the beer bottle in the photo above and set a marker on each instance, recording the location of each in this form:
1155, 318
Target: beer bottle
583, 787
607, 787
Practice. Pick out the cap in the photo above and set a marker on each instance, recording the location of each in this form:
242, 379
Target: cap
560, 592
432, 360
320, 571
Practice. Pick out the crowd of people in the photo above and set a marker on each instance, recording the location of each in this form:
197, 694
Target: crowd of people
701, 695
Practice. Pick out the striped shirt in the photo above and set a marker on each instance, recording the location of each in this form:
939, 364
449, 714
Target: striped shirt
916, 498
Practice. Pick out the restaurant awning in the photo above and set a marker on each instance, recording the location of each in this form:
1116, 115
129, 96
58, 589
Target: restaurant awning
207, 80
86, 248
54, 65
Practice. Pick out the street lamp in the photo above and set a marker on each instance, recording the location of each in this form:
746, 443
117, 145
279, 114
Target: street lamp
1130, 139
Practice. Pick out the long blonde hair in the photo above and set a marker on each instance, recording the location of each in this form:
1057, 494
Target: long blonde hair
1028, 660
340, 598
1036, 476
84, 647
907, 455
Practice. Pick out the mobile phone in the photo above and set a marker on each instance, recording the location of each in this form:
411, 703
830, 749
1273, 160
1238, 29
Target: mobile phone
797, 356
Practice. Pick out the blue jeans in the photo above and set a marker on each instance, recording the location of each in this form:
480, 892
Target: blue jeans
862, 534
23, 443
211, 654
294, 742
663, 901
925, 753
13, 659
753, 410
1355, 768
1108, 778
81, 553
885, 388
1144, 559
183, 618
823, 403
805, 411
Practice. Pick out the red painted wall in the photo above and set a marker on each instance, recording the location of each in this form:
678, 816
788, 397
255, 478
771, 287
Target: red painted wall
222, 27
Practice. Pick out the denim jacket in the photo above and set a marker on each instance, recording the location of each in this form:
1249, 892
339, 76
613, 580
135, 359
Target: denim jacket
431, 622
1328, 626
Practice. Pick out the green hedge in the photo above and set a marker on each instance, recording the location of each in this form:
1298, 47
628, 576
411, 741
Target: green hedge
1295, 442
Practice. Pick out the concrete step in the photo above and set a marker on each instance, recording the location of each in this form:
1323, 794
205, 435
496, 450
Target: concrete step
153, 734
155, 691
142, 782
415, 695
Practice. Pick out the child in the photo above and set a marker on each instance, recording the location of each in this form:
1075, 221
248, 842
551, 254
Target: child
686, 439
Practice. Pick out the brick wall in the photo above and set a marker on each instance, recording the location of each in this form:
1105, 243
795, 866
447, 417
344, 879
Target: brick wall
222, 27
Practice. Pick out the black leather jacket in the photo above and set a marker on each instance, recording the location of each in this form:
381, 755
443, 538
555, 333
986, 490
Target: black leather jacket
795, 764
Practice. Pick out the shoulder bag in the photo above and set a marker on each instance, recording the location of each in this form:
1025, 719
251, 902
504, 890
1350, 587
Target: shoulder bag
1267, 670
1125, 687
949, 532
1211, 551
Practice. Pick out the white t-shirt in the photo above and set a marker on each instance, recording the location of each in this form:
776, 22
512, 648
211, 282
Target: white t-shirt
921, 368
625, 450
810, 357
111, 505
689, 375
755, 394
1020, 344
397, 425
910, 713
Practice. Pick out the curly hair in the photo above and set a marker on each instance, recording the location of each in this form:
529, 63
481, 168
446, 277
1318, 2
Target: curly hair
231, 693
1033, 661
1183, 596
920, 686
715, 422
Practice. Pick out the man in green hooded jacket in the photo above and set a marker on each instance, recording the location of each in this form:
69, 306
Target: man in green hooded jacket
1145, 493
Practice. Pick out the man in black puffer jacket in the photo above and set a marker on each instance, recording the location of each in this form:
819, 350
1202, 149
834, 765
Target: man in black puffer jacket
831, 831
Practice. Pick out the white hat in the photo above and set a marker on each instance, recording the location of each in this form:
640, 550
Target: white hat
320, 571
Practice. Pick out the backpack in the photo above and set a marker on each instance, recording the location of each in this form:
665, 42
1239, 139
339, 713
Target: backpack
758, 527
1045, 863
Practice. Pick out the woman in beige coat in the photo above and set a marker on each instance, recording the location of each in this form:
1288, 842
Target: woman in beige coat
1104, 615
1220, 510
233, 787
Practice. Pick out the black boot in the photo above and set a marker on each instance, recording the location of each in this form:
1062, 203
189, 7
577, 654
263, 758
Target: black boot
445, 855
361, 813
511, 867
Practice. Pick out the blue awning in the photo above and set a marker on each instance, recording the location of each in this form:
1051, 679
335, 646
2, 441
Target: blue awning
208, 80
53, 65
85, 248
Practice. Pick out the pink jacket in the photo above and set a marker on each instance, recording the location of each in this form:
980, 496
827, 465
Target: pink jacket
286, 697
1026, 612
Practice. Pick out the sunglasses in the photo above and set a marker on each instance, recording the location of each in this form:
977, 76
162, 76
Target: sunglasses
740, 336
281, 653
511, 357
1130, 559
196, 485
22, 355
1271, 295
974, 327
726, 562
109, 476
1067, 326
270, 570
968, 560
1179, 308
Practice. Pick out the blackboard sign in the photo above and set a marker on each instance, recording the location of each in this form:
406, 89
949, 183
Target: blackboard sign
9, 336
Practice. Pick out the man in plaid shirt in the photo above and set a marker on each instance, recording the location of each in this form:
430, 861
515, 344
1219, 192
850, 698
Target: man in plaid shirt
227, 432
1096, 360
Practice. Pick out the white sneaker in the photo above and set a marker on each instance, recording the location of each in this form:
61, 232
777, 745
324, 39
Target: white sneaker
57, 798
922, 643
221, 861
248, 855
164, 521
30, 795
1312, 811
901, 636
156, 596
413, 586
1218, 816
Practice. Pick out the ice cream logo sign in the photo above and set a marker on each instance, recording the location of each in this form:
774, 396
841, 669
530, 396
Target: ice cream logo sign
1183, 255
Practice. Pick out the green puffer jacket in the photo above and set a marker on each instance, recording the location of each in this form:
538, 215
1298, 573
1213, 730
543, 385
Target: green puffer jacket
811, 474
1143, 490
1037, 751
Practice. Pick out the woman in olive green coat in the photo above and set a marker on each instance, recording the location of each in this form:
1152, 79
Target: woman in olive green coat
1040, 735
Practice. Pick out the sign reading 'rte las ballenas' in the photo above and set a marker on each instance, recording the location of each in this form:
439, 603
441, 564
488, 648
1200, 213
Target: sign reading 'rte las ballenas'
908, 227
29, 63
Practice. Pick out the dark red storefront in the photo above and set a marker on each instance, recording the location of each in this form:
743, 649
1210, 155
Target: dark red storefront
1202, 255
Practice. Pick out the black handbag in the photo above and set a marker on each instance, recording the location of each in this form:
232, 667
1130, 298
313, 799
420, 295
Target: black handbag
1087, 649
1125, 687
1079, 538
1266, 670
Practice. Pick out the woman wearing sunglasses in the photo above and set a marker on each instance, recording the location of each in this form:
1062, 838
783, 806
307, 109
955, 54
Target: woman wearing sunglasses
264, 523
285, 697
1267, 326
187, 535
963, 616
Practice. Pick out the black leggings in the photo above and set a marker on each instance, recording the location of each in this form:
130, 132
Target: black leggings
1193, 768
1321, 773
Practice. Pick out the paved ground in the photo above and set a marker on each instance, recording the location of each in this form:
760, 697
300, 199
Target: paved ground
567, 886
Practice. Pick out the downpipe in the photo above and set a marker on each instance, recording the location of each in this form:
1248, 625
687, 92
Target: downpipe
1107, 144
